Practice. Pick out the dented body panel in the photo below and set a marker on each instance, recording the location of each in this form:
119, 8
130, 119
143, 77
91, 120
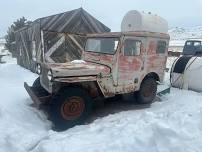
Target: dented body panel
118, 72
78, 69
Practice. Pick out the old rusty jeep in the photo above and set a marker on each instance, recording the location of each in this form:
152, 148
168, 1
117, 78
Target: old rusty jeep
112, 64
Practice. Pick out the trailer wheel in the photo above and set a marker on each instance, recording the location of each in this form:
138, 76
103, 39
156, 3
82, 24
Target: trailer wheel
147, 92
70, 107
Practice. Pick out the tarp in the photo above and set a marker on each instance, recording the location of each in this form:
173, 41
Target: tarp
63, 36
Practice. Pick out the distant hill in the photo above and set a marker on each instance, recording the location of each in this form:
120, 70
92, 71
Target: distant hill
179, 33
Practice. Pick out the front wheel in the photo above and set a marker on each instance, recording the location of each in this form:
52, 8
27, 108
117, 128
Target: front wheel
37, 83
70, 107
147, 92
39, 90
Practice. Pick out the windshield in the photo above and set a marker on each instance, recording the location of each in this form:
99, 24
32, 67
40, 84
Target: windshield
102, 45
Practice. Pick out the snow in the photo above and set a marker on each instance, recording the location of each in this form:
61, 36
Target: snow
179, 36
177, 43
78, 61
2, 40
167, 126
2, 44
174, 124
21, 126
4, 52
179, 33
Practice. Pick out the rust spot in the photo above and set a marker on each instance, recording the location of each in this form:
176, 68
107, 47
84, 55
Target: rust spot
106, 58
152, 47
127, 66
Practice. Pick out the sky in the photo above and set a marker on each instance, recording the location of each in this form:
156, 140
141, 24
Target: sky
182, 13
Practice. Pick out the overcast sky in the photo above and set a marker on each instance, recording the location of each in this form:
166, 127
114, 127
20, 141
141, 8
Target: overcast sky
183, 13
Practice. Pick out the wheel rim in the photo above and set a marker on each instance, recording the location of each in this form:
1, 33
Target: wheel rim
72, 108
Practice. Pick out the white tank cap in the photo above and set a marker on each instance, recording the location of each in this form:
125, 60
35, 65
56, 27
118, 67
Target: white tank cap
141, 21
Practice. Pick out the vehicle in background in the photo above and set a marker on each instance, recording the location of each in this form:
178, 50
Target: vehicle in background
192, 47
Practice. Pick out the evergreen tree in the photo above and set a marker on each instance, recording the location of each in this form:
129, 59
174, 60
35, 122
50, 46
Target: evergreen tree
10, 37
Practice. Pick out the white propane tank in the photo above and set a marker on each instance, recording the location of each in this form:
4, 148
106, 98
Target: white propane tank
190, 77
140, 21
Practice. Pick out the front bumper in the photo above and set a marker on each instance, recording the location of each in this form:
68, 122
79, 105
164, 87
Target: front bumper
38, 97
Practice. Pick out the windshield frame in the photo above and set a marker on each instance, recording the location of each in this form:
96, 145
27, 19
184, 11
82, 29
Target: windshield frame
103, 37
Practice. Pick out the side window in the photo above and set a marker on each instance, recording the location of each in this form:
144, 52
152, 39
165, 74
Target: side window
93, 45
188, 43
161, 47
197, 43
132, 47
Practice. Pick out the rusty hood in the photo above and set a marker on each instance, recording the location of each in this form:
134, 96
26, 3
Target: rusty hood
72, 69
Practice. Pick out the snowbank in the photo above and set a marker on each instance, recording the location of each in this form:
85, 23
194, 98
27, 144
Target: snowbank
172, 125
179, 33
21, 126
175, 124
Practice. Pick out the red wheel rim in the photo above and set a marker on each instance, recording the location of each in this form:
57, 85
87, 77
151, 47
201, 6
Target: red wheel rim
72, 108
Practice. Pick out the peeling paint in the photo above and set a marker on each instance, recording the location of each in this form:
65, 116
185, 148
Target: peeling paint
116, 73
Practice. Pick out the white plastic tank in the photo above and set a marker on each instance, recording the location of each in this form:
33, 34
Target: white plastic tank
187, 75
140, 21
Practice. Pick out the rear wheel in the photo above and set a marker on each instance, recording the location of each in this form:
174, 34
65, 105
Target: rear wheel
147, 92
70, 107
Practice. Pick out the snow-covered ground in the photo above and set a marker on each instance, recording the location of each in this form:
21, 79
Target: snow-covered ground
172, 125
179, 33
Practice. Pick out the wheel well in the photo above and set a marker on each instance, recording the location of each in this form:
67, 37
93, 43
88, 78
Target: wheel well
91, 88
152, 75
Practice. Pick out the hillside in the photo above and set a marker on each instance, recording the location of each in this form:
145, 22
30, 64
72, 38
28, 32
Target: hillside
179, 33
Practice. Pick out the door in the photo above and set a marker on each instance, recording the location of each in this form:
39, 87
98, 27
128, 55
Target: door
131, 62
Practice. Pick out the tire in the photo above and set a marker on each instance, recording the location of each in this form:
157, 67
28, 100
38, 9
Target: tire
37, 83
147, 92
40, 91
70, 107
